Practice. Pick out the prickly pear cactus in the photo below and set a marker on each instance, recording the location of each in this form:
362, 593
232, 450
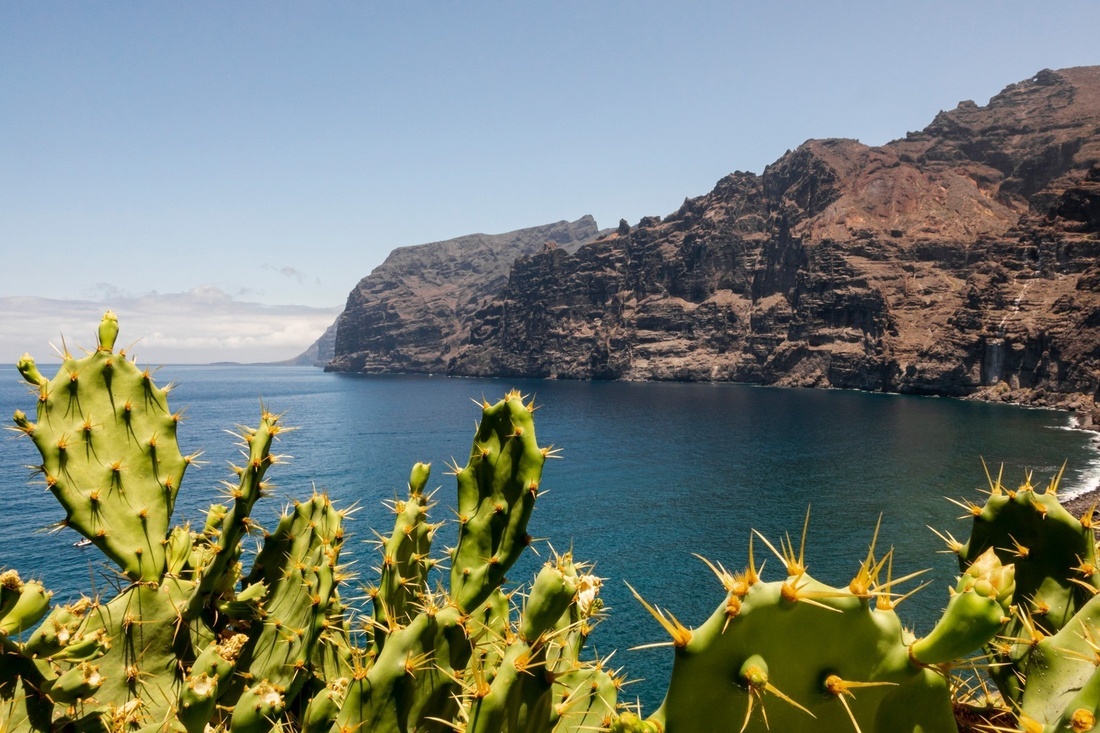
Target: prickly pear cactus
406, 559
109, 452
183, 643
1044, 660
460, 657
193, 643
541, 682
1061, 688
799, 655
1054, 554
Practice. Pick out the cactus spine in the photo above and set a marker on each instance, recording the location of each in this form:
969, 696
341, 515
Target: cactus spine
194, 643
798, 655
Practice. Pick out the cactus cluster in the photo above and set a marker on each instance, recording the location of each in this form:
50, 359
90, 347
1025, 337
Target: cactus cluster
439, 659
192, 642
1044, 660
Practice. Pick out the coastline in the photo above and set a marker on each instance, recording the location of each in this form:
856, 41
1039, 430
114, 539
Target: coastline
1085, 416
1084, 408
1081, 503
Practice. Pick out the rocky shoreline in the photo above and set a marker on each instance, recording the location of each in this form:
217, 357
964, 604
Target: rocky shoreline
1081, 503
1086, 416
1086, 420
1084, 407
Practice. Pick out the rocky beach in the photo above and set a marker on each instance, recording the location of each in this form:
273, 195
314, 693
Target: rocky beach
1081, 503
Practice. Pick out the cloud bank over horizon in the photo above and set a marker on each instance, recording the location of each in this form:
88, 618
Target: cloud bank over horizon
200, 326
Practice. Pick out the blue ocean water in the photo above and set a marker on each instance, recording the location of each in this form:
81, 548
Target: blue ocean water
650, 474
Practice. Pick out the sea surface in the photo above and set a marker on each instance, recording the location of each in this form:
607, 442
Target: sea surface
650, 475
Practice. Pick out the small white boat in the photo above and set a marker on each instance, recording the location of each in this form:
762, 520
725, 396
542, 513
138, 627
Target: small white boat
82, 543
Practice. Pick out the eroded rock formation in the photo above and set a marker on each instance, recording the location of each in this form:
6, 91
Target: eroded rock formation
414, 311
960, 260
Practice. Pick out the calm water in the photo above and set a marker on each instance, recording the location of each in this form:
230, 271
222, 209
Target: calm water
651, 473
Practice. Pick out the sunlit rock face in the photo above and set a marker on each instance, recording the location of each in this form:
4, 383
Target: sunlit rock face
959, 260
413, 312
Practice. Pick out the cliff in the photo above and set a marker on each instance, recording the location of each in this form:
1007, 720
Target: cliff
959, 260
414, 311
320, 353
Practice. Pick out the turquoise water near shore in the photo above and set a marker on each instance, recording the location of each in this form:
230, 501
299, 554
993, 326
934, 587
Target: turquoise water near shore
650, 474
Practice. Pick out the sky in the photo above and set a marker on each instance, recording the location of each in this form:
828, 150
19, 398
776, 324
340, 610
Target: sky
223, 174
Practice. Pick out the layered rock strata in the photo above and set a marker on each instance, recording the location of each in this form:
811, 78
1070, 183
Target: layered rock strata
960, 260
414, 311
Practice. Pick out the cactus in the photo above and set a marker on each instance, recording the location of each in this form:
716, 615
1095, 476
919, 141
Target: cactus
1062, 676
194, 643
1027, 593
460, 654
181, 644
109, 452
799, 655
541, 683
406, 559
1044, 660
1056, 570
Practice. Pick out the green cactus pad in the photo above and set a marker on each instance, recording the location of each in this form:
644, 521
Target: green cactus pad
496, 493
1054, 555
109, 452
799, 655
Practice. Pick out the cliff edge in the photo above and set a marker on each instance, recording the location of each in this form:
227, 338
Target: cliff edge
960, 260
414, 311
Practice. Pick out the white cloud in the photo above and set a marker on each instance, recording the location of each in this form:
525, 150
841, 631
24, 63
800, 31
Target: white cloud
200, 326
288, 272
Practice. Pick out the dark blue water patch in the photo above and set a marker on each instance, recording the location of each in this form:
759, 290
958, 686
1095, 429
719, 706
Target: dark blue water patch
650, 475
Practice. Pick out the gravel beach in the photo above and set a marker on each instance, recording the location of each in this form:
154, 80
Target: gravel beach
1078, 505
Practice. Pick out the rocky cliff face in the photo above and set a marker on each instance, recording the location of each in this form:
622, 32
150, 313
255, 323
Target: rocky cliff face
960, 260
413, 312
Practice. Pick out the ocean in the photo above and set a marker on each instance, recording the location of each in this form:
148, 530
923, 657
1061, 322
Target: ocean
650, 475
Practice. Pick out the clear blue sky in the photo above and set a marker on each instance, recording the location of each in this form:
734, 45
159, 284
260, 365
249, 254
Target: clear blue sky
204, 159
